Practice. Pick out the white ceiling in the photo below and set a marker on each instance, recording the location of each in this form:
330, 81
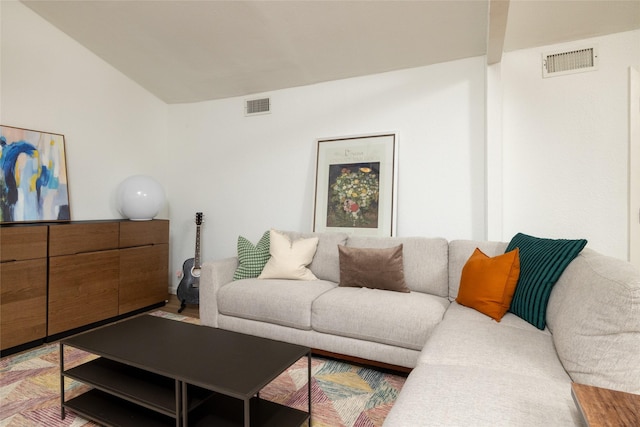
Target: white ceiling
189, 51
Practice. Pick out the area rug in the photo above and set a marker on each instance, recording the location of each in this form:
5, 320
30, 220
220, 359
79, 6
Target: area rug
344, 395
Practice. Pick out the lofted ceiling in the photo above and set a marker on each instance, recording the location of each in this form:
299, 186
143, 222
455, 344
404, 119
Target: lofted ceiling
195, 50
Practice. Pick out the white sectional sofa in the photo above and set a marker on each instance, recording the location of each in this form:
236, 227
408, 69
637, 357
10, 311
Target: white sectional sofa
468, 369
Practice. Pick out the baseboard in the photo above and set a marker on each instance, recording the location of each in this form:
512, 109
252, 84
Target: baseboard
22, 347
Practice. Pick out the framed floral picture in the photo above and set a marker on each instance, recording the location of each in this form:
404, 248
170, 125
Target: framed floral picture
33, 176
356, 185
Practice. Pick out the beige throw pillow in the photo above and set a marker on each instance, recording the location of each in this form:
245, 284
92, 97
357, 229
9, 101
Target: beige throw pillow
372, 268
289, 260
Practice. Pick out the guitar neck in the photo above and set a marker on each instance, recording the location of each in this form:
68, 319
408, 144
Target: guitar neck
196, 258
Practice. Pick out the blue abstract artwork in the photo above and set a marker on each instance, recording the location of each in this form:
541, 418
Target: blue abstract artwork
33, 176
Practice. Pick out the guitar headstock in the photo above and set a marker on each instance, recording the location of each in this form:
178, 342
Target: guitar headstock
198, 218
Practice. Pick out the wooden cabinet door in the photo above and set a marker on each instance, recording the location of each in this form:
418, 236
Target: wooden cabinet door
23, 294
144, 279
23, 284
83, 289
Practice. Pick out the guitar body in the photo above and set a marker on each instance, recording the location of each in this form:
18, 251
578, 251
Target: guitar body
188, 288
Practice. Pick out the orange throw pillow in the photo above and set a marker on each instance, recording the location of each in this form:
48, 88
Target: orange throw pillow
487, 284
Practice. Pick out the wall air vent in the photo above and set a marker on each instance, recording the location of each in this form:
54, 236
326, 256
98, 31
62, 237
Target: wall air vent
257, 106
569, 62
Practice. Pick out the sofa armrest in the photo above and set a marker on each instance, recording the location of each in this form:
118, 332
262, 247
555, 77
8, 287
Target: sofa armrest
214, 275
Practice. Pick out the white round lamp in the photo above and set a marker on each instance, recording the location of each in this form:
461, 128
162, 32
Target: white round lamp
140, 198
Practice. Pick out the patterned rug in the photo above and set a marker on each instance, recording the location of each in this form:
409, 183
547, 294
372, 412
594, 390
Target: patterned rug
344, 395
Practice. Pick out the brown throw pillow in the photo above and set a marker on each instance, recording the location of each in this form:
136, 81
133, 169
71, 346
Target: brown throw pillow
372, 268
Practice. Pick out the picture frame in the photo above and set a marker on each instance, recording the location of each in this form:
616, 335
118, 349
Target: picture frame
33, 176
355, 185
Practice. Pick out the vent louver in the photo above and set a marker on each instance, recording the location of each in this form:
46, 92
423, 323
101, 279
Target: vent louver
569, 62
257, 106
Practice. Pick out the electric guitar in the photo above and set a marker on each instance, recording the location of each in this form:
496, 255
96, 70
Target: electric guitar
188, 289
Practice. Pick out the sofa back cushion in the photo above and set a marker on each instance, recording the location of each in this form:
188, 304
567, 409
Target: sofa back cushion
594, 316
425, 260
459, 253
326, 261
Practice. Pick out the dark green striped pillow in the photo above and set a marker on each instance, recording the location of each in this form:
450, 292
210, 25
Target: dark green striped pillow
252, 259
542, 262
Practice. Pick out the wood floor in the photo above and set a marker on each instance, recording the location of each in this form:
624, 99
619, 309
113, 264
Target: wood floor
173, 306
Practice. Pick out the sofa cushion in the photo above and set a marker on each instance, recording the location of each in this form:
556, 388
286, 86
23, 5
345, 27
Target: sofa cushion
474, 371
394, 318
488, 283
325, 264
372, 268
594, 315
459, 253
251, 258
466, 337
542, 261
289, 259
462, 313
425, 260
444, 395
283, 302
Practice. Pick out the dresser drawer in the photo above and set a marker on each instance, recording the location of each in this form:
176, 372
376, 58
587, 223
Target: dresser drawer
69, 239
22, 243
142, 233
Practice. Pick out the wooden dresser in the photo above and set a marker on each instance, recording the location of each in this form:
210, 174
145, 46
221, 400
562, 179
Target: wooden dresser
61, 277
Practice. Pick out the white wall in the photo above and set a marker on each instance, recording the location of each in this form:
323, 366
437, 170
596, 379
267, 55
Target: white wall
560, 145
245, 174
248, 174
493, 152
113, 128
565, 146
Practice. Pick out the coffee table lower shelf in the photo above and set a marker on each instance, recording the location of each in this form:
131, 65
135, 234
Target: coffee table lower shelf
220, 410
123, 395
109, 410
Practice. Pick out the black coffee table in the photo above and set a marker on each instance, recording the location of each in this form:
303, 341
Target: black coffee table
156, 371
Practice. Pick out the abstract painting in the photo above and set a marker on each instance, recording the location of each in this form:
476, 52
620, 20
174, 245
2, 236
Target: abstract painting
356, 185
33, 176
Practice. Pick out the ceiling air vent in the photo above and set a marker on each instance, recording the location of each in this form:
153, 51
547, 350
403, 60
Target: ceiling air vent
257, 106
569, 62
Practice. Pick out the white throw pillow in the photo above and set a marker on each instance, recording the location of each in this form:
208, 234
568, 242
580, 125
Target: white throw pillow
289, 260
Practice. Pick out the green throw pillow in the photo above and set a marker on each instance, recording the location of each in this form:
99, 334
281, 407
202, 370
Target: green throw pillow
542, 262
252, 258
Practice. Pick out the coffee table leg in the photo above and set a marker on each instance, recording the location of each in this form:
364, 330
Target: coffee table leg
247, 412
185, 403
62, 411
309, 384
